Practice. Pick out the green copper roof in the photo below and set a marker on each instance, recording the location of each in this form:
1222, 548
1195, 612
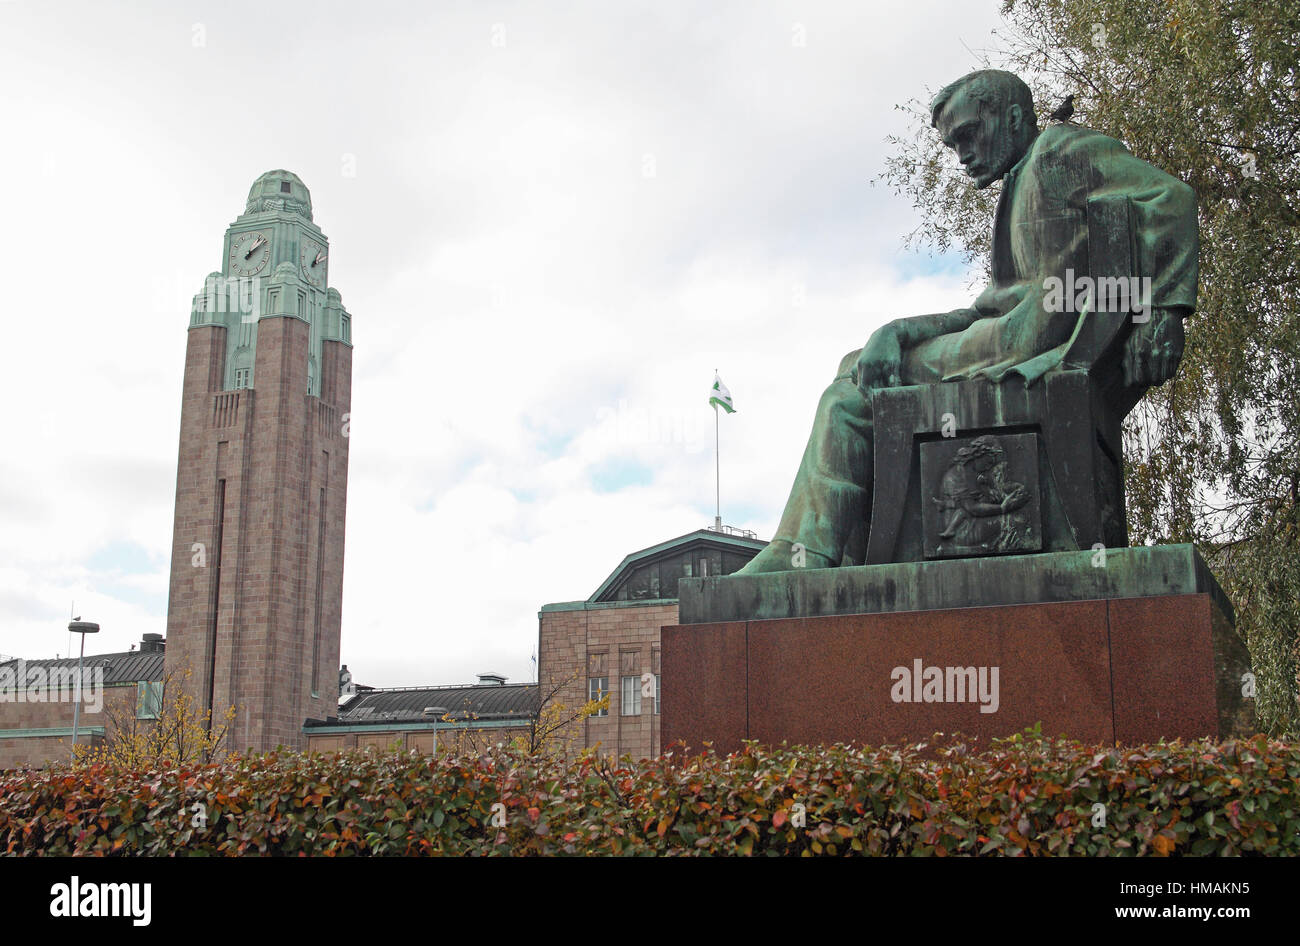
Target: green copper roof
279, 190
604, 605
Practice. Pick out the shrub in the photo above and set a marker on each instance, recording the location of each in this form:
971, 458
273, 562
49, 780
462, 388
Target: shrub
1023, 795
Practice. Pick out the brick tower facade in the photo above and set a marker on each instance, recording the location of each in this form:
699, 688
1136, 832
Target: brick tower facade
261, 484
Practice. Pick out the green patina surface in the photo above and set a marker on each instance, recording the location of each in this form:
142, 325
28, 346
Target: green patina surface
286, 276
1139, 572
1058, 184
55, 731
604, 605
416, 727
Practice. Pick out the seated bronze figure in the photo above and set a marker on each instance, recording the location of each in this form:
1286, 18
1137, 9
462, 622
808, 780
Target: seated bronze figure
1040, 369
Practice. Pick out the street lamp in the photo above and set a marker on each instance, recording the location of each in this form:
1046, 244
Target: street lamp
436, 713
83, 628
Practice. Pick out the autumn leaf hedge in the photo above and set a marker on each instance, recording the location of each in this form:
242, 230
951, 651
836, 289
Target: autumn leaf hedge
1023, 795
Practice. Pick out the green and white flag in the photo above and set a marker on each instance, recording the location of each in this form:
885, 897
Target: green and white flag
720, 396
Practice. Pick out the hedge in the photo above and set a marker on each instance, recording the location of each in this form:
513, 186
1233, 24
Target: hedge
1023, 795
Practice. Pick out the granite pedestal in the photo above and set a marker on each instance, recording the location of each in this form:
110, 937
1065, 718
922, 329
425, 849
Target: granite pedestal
1123, 647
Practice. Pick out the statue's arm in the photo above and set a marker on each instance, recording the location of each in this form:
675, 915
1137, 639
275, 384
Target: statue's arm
1166, 244
1154, 348
880, 361
913, 330
982, 510
879, 364
993, 301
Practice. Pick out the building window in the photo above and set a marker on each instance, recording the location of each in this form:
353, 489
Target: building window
241, 377
284, 187
631, 696
597, 687
657, 697
148, 702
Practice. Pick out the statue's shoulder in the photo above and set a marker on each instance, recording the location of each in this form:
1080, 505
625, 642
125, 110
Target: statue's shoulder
1069, 145
1068, 138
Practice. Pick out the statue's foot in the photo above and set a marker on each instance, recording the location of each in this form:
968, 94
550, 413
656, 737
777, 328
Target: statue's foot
780, 556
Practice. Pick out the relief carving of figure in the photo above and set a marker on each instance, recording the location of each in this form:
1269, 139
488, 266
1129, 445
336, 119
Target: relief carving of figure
979, 502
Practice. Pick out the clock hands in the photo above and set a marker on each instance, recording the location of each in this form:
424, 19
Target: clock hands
260, 241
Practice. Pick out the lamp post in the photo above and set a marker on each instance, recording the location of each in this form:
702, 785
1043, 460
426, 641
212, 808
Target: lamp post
436, 713
83, 628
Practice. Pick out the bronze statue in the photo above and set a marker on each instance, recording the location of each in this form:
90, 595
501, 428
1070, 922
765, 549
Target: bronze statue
1023, 327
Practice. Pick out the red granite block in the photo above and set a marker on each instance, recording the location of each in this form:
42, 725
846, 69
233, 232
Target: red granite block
1177, 666
833, 679
1101, 671
704, 684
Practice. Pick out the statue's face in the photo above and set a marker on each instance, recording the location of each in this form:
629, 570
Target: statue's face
988, 141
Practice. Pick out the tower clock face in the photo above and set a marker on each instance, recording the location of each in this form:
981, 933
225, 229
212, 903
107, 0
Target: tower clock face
313, 258
249, 253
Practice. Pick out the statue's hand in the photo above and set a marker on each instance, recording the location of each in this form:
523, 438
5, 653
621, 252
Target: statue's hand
1153, 349
880, 364
1015, 497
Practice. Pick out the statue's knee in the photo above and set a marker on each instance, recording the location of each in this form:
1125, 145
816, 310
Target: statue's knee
848, 364
842, 403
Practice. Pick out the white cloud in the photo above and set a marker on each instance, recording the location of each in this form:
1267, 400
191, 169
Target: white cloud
537, 318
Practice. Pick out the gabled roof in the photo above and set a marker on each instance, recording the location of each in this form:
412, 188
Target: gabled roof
704, 538
126, 667
407, 704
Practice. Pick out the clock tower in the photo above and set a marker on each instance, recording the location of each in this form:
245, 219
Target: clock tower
261, 486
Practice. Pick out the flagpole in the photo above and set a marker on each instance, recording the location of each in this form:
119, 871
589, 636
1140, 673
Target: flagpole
717, 461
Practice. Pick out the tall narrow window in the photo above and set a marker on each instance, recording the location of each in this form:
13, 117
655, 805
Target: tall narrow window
597, 687
148, 699
631, 696
320, 584
214, 605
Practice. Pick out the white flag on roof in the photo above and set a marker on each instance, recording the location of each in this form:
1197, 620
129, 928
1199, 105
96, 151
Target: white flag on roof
719, 396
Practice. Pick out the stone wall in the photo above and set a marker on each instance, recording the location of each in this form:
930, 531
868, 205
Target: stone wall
612, 640
34, 734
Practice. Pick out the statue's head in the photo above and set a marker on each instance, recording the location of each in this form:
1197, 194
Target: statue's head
988, 119
982, 453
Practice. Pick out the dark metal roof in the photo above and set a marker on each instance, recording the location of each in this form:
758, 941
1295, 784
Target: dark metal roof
407, 704
128, 667
701, 538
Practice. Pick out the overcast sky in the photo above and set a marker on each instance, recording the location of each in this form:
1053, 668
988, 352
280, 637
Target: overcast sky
550, 221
